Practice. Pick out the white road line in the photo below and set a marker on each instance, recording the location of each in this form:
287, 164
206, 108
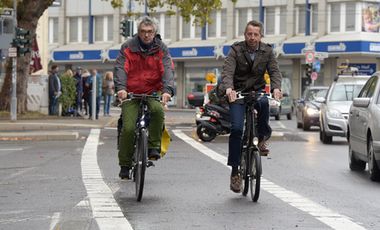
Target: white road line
55, 220
14, 149
321, 213
105, 209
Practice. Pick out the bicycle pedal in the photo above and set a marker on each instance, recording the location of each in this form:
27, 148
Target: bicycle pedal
150, 164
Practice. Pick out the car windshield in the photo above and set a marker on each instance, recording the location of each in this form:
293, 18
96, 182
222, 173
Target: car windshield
313, 94
345, 92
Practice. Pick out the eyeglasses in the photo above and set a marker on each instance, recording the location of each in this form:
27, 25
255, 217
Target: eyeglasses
147, 32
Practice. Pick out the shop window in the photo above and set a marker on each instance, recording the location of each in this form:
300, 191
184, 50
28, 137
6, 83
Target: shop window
335, 17
223, 23
73, 29
350, 16
270, 13
53, 30
109, 28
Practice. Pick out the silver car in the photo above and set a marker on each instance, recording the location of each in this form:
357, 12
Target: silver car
334, 109
364, 129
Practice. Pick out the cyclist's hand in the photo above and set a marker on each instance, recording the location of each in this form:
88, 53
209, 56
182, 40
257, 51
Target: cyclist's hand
165, 98
277, 94
231, 94
122, 94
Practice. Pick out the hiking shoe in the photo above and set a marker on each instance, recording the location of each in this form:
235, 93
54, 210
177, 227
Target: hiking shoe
124, 172
153, 154
263, 148
235, 183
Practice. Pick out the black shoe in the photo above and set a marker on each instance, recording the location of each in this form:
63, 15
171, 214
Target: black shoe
153, 154
124, 172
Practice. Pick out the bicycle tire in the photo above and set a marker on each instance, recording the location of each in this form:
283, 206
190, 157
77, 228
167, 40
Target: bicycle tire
244, 166
141, 157
255, 174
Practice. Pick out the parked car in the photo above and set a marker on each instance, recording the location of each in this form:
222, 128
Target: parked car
307, 107
285, 107
334, 109
364, 129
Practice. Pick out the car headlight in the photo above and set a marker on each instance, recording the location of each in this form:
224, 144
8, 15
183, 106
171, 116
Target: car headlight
334, 113
312, 111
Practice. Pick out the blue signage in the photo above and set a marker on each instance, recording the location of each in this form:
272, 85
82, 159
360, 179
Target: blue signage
317, 66
191, 52
348, 46
365, 68
112, 54
293, 48
80, 55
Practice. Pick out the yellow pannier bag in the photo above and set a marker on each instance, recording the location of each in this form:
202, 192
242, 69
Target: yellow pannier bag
165, 142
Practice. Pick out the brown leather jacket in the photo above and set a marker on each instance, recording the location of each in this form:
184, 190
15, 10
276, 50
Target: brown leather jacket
240, 74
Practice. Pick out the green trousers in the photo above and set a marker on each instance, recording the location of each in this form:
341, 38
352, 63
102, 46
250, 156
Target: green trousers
127, 136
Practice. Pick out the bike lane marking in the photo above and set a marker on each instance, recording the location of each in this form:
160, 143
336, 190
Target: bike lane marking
105, 209
321, 213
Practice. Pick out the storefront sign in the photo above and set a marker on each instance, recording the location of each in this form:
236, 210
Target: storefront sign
374, 47
348, 47
84, 55
365, 68
293, 48
341, 47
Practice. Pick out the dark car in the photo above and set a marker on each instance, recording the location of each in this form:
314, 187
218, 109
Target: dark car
308, 109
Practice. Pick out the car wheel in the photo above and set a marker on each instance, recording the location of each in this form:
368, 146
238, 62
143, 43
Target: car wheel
277, 117
374, 172
355, 164
306, 125
289, 116
323, 136
299, 125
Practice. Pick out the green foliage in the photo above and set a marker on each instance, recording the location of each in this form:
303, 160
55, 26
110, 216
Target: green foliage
67, 99
200, 9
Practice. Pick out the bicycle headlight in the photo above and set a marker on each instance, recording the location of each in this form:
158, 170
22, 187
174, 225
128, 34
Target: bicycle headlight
334, 113
142, 123
255, 141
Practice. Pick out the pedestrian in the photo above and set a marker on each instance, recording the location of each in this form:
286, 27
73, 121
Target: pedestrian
86, 92
79, 91
98, 93
243, 70
108, 92
143, 66
54, 90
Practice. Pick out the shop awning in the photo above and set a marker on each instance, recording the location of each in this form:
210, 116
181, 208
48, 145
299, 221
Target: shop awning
295, 45
80, 53
355, 43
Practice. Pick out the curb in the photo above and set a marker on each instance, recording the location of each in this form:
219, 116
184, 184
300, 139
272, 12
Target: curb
39, 136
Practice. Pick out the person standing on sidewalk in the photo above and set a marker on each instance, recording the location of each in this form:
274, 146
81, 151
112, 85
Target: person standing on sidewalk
54, 90
143, 66
99, 82
79, 91
243, 70
108, 92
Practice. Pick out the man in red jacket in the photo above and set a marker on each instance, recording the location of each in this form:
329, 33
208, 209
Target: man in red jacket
143, 66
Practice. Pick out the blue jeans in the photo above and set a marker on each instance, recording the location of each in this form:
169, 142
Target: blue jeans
237, 115
53, 110
107, 104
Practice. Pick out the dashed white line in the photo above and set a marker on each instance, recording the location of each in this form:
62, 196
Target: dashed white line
105, 209
321, 213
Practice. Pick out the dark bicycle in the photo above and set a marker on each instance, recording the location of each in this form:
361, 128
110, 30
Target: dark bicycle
140, 156
250, 164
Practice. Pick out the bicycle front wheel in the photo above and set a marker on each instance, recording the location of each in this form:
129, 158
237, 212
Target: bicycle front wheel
255, 174
140, 167
244, 172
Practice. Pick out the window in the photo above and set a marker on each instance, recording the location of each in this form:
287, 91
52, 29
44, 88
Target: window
211, 28
270, 14
314, 18
85, 26
350, 16
283, 19
223, 23
73, 32
345, 92
242, 20
198, 31
99, 25
335, 17
255, 14
109, 28
301, 19
53, 30
167, 27
186, 26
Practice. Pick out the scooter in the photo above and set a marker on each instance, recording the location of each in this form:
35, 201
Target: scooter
212, 120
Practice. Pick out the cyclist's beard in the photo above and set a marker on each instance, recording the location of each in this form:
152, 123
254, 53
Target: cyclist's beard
252, 45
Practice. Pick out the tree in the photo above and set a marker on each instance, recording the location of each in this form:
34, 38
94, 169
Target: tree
28, 13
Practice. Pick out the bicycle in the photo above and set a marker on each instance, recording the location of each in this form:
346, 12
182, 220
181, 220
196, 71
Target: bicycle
140, 156
250, 164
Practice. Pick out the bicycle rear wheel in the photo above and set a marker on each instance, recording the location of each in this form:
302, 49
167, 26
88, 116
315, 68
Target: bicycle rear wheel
140, 166
255, 174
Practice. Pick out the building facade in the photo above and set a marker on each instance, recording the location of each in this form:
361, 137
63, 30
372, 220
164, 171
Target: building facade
330, 32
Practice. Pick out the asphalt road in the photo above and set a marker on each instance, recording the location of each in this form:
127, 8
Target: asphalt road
74, 185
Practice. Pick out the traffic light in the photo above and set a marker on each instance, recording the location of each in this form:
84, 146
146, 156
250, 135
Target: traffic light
126, 27
309, 69
22, 41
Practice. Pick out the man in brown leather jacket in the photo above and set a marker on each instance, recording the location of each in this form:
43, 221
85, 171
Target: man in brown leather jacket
243, 71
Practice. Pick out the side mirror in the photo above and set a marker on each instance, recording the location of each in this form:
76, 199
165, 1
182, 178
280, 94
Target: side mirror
362, 102
320, 99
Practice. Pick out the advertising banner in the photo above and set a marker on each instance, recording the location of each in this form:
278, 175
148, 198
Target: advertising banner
371, 18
